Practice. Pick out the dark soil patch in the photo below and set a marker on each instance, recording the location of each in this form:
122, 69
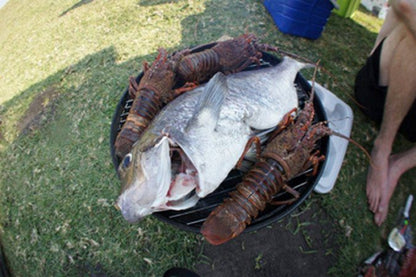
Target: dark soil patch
299, 245
41, 106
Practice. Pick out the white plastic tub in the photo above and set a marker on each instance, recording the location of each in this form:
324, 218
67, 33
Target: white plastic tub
340, 118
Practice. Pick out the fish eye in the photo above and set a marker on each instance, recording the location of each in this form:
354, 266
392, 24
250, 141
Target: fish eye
127, 160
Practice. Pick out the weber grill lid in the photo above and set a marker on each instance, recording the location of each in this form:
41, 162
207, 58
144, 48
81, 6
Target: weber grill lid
193, 218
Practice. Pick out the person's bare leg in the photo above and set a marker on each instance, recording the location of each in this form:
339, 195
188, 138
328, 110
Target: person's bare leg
377, 173
406, 10
390, 22
401, 11
378, 170
397, 70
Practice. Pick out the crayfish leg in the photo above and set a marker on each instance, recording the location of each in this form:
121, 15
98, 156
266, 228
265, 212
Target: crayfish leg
249, 61
287, 119
187, 87
290, 190
146, 66
133, 87
283, 202
314, 161
257, 143
267, 48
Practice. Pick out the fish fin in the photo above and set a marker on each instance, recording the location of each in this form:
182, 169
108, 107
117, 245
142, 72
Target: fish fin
209, 104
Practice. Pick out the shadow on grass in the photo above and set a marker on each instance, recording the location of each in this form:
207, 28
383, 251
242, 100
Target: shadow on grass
42, 100
76, 5
58, 184
4, 269
156, 2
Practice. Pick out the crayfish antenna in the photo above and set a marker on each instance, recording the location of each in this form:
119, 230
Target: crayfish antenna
355, 143
333, 132
306, 60
295, 56
313, 80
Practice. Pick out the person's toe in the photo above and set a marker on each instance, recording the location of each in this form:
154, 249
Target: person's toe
376, 203
373, 199
381, 214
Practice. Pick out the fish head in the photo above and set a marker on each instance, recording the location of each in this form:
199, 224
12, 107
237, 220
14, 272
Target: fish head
145, 175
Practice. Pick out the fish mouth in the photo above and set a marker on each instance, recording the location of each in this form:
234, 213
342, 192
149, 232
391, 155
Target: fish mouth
168, 180
184, 180
185, 202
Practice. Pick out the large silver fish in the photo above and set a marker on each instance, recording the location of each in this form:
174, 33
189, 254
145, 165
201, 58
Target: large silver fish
197, 139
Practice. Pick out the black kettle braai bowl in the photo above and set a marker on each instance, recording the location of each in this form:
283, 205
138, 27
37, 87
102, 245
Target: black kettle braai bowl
192, 219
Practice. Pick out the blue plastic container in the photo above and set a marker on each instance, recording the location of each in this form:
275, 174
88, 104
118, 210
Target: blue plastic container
304, 18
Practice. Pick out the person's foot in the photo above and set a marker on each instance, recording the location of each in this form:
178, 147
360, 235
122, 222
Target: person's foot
376, 179
387, 189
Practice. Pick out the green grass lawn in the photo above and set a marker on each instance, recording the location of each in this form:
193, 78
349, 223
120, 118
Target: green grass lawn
73, 58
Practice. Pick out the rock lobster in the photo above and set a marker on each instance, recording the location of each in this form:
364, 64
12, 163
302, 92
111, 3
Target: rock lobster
229, 56
156, 87
150, 95
289, 152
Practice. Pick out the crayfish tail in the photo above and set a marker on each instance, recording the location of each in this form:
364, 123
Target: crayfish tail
216, 236
223, 224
